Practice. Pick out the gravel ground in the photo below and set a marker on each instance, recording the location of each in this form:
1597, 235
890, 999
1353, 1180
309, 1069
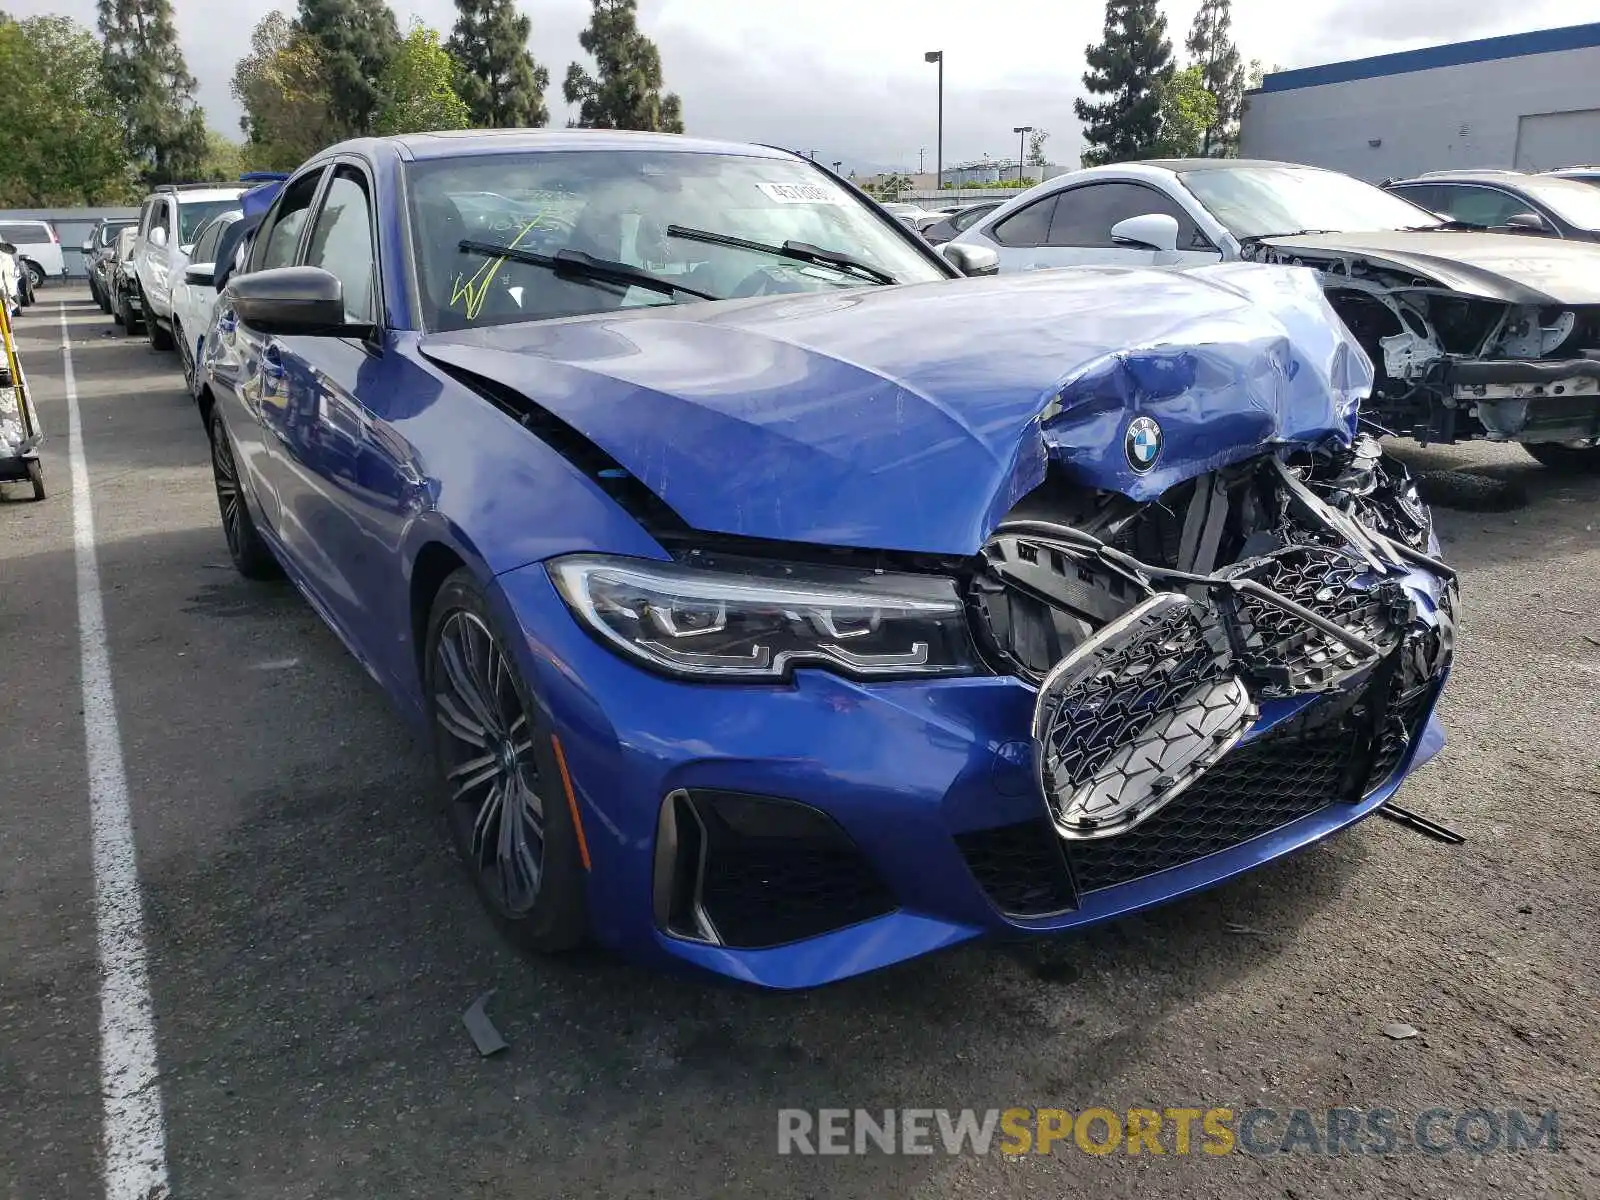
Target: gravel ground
312, 944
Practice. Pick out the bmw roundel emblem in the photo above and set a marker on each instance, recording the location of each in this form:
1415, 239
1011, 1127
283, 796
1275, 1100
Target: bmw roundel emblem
1143, 443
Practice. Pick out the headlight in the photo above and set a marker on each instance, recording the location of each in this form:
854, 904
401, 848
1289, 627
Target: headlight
757, 620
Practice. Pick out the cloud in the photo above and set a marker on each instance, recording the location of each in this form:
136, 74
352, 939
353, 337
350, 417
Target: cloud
846, 77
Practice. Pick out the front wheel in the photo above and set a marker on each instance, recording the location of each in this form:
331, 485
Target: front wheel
185, 355
125, 316
36, 477
1565, 456
35, 274
508, 805
251, 557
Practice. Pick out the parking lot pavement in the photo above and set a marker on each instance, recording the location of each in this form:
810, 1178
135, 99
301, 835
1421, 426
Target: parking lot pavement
312, 944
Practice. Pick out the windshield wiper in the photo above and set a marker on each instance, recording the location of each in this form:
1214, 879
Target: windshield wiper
575, 264
1251, 239
798, 251
1451, 226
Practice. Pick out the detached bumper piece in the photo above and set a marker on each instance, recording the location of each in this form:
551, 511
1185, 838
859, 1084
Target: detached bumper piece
1552, 400
1298, 768
752, 872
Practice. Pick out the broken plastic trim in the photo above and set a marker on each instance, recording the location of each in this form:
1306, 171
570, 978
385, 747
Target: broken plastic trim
1136, 714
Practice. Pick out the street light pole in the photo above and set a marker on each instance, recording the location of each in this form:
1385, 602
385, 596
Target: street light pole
837, 164
1022, 132
937, 56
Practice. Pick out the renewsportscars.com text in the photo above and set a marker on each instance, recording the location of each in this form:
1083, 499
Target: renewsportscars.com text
1175, 1131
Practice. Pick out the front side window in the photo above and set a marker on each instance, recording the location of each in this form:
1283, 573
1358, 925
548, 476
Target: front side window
1267, 201
341, 243
655, 212
108, 233
1574, 202
1479, 205
1084, 215
162, 218
288, 218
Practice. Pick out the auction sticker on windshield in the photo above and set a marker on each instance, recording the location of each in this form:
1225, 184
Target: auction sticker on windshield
800, 193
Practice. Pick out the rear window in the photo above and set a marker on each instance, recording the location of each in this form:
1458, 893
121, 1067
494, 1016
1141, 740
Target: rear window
30, 233
108, 233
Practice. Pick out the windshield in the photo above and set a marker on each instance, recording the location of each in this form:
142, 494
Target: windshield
108, 233
1574, 202
1260, 201
617, 206
196, 213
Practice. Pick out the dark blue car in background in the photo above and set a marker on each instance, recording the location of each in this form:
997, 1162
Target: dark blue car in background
781, 603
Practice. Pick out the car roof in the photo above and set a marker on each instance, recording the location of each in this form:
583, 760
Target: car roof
454, 143
1487, 174
1216, 164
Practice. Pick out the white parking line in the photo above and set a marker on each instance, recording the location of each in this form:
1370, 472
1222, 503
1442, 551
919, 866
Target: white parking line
135, 1138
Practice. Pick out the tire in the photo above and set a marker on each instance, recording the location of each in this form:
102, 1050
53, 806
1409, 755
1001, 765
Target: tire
130, 323
94, 291
118, 313
251, 557
185, 355
1559, 456
105, 301
36, 477
478, 703
35, 273
159, 335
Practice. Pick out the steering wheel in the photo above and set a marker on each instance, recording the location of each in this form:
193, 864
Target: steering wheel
768, 281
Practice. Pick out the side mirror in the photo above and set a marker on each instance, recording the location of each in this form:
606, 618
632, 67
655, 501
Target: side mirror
158, 237
292, 300
200, 274
971, 260
8, 248
1527, 222
1149, 231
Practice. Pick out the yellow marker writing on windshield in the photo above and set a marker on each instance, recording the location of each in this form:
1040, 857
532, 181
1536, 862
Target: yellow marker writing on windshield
475, 289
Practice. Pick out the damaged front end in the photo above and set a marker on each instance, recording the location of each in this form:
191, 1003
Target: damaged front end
1452, 365
1252, 646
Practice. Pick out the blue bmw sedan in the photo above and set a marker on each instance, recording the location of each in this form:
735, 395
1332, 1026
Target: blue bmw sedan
782, 601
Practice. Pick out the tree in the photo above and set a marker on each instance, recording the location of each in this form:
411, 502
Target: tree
1035, 156
356, 40
1129, 68
1221, 72
283, 88
1188, 111
496, 76
61, 138
417, 91
223, 159
164, 129
625, 91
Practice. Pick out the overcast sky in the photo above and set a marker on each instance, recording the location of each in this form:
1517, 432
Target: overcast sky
847, 79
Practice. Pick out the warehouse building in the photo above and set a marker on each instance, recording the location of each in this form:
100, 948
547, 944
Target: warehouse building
1528, 100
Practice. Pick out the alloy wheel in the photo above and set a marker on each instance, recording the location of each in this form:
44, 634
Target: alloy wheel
489, 760
226, 478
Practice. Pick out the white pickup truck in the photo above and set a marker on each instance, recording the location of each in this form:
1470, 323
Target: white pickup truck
168, 222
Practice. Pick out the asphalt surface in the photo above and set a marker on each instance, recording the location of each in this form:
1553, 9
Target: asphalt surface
312, 943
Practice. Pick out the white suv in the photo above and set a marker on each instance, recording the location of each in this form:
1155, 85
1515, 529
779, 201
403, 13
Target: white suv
38, 246
168, 222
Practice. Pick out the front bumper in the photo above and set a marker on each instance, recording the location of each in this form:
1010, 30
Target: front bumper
1529, 400
932, 786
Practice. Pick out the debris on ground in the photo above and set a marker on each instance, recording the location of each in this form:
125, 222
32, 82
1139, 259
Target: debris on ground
484, 1035
1400, 1031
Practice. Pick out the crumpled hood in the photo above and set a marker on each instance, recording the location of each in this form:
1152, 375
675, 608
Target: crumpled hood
1495, 266
913, 418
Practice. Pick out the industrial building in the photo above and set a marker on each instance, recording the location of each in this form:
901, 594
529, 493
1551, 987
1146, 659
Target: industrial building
1527, 100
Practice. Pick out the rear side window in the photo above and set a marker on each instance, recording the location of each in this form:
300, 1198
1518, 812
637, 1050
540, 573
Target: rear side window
1423, 195
1029, 226
205, 248
25, 233
285, 223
